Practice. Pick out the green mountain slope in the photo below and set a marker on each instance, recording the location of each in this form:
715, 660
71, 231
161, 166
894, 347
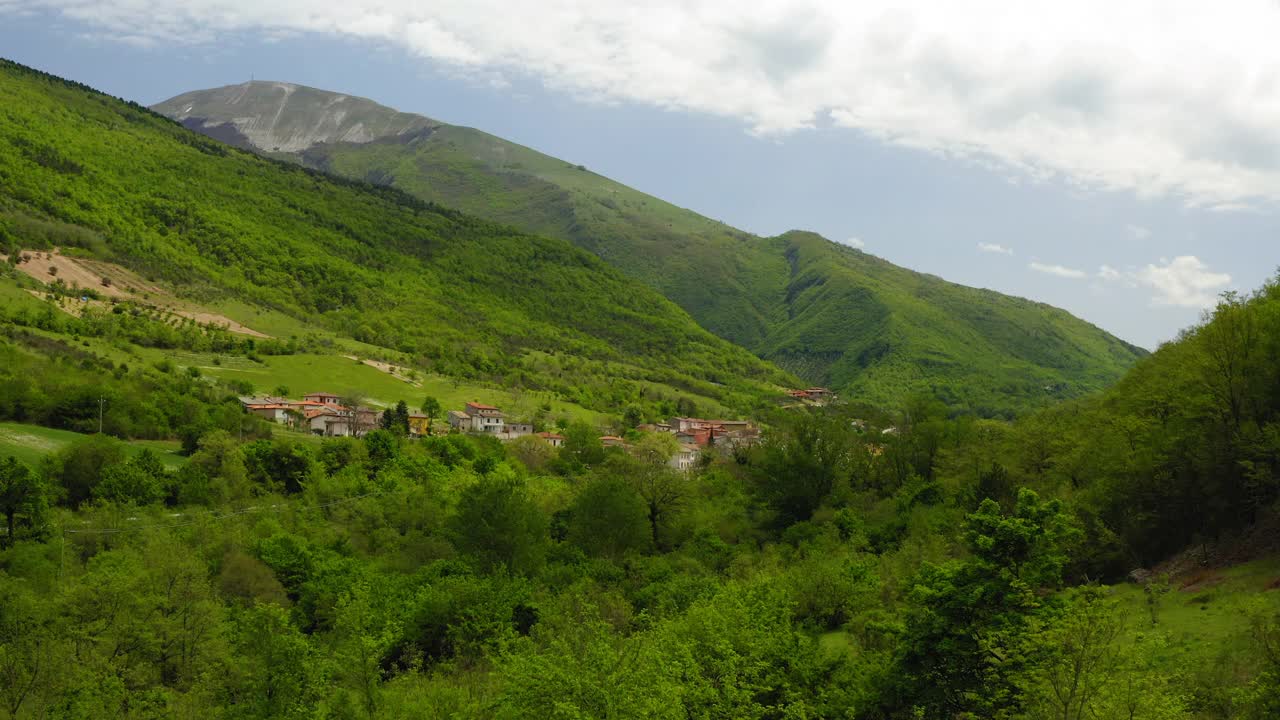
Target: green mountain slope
455, 294
832, 315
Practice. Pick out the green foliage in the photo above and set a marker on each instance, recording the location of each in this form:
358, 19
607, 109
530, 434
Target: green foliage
499, 526
797, 471
24, 500
609, 518
965, 644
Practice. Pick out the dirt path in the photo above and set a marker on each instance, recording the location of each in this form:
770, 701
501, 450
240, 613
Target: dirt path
400, 373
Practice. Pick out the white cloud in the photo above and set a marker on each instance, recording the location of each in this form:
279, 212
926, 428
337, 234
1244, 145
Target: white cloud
1184, 281
994, 248
1173, 97
1059, 270
855, 242
1138, 232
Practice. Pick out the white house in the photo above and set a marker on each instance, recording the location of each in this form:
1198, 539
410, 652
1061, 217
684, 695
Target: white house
330, 422
485, 418
554, 439
274, 413
686, 458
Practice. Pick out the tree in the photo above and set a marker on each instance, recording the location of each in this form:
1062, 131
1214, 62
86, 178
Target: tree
797, 470
23, 495
609, 518
498, 525
965, 646
79, 466
662, 487
364, 637
129, 482
277, 673
532, 451
381, 447
632, 416
1083, 657
216, 472
431, 408
402, 418
280, 465
582, 444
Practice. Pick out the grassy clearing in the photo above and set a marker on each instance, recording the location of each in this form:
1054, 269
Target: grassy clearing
1206, 617
31, 443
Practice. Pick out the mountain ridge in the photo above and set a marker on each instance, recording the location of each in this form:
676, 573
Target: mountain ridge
831, 314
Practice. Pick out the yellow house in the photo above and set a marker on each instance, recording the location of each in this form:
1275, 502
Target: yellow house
419, 424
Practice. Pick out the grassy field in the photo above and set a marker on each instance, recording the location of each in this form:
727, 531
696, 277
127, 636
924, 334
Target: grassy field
1206, 617
30, 443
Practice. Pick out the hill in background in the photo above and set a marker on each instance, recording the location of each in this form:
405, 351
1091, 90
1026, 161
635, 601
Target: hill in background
432, 287
828, 313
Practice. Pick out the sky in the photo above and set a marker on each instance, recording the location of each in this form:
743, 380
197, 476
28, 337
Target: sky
1119, 160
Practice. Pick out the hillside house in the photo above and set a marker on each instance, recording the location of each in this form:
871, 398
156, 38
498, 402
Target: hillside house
511, 431
612, 441
459, 421
726, 439
816, 395
274, 413
479, 418
686, 458
419, 424
554, 439
322, 398
331, 422
485, 418
700, 437
685, 424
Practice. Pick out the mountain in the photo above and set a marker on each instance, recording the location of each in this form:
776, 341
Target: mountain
450, 293
831, 314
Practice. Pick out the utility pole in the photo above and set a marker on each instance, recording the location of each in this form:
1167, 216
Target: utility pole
101, 401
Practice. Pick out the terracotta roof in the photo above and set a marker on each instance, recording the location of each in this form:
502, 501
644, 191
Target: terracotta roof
550, 436
480, 406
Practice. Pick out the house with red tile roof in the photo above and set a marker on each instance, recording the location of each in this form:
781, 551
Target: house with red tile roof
554, 439
478, 417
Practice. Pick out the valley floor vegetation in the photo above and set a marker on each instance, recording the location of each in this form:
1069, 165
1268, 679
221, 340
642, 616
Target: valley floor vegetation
855, 564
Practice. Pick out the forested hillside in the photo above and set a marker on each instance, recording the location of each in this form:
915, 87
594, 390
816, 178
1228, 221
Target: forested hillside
458, 296
856, 564
832, 315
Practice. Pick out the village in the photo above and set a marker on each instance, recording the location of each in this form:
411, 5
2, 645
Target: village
327, 414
